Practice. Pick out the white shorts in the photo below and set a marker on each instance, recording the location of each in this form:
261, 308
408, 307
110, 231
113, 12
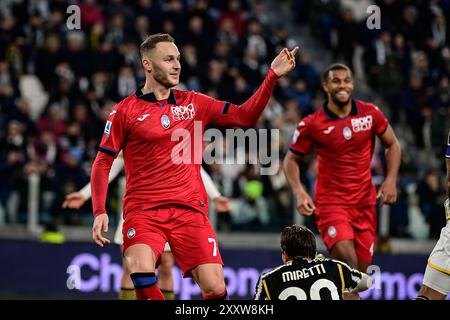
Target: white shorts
118, 236
437, 273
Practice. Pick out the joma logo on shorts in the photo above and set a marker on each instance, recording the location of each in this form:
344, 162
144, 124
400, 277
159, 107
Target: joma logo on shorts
362, 124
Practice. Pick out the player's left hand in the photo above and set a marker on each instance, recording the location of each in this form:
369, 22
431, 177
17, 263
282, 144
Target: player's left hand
284, 62
388, 192
222, 204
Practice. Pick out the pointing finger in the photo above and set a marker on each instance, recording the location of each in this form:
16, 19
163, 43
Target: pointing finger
294, 51
290, 56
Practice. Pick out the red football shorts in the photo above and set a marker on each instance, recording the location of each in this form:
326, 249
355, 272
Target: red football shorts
337, 223
191, 237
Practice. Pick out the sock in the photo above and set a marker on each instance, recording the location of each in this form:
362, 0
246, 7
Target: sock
127, 294
220, 296
168, 294
422, 298
145, 286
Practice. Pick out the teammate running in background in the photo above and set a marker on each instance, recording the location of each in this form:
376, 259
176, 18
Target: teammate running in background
165, 200
75, 200
302, 277
342, 133
436, 280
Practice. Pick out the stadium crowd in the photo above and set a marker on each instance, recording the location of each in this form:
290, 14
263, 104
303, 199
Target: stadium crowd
57, 87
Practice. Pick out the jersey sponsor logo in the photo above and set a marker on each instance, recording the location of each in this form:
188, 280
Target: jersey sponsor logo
328, 130
143, 117
362, 124
180, 113
131, 233
165, 121
347, 133
107, 128
332, 231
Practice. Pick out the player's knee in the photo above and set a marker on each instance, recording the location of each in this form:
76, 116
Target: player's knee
137, 264
213, 286
140, 258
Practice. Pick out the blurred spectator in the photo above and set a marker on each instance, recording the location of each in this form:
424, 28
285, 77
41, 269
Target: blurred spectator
249, 212
305, 71
91, 13
430, 194
53, 120
126, 82
69, 177
236, 15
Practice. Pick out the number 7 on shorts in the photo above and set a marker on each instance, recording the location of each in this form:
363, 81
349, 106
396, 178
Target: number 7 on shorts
212, 240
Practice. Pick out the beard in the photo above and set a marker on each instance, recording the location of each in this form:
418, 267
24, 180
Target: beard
163, 78
341, 104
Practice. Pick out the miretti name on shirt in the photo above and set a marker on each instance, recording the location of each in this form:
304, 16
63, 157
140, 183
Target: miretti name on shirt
303, 273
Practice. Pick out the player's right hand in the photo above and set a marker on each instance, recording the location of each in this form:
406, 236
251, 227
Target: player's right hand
74, 200
100, 223
305, 205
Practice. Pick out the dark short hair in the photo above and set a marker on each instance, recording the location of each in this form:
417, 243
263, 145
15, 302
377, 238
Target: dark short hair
152, 40
298, 241
335, 66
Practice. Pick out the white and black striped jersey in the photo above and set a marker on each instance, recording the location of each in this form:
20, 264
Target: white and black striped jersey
303, 279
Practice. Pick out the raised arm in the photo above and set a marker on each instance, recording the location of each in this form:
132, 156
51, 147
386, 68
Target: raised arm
247, 114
